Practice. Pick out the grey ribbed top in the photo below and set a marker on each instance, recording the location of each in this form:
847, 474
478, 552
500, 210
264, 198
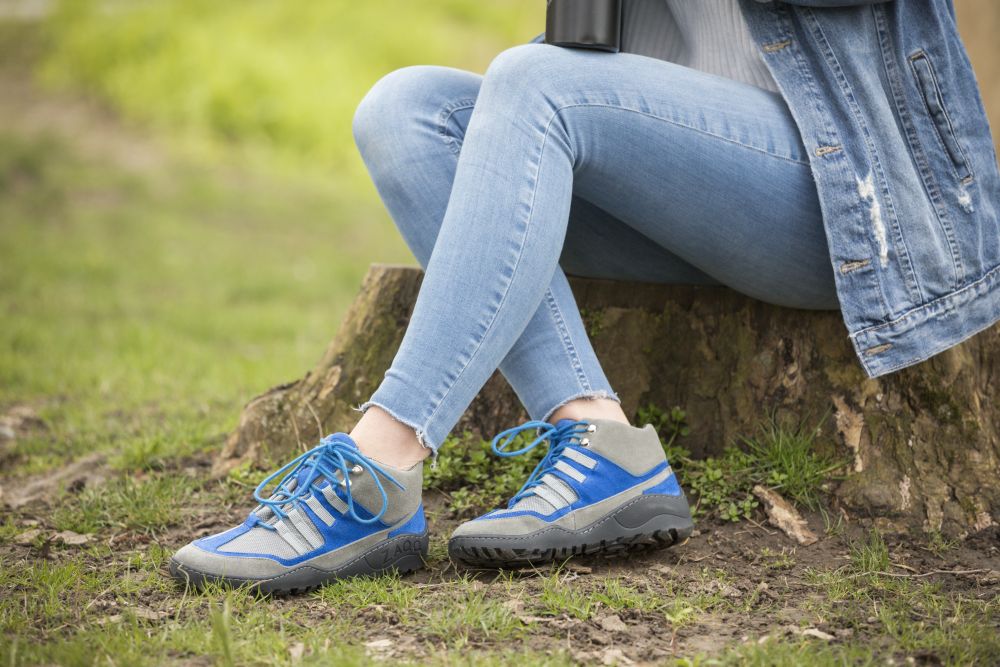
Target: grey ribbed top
707, 35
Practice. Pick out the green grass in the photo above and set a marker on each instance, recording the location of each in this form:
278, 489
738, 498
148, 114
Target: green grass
783, 560
125, 503
789, 653
389, 594
913, 615
870, 556
786, 457
609, 594
471, 614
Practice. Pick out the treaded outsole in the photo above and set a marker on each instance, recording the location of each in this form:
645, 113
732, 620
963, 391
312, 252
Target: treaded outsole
494, 557
304, 579
659, 531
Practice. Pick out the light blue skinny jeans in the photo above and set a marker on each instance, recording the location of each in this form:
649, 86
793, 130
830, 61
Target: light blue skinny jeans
569, 161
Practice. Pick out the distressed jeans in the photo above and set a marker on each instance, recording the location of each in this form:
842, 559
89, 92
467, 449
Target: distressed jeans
561, 161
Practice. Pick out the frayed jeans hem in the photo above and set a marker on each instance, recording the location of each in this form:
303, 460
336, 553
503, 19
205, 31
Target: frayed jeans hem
417, 429
592, 394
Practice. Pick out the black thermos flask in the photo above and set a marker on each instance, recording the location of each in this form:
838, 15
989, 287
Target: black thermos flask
584, 24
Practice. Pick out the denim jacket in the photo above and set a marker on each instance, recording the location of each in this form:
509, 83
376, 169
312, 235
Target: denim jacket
887, 105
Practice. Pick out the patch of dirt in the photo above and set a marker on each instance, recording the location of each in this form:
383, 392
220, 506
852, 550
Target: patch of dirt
86, 472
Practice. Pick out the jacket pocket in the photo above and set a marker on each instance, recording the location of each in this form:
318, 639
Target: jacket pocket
930, 91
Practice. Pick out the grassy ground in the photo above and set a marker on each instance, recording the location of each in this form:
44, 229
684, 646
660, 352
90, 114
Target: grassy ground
144, 297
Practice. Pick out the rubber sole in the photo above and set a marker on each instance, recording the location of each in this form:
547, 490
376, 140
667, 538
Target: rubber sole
641, 524
401, 554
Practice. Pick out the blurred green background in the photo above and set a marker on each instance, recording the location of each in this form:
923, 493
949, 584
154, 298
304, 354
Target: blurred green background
280, 76
183, 215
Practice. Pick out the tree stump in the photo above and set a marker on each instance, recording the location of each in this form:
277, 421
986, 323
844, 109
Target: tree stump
924, 441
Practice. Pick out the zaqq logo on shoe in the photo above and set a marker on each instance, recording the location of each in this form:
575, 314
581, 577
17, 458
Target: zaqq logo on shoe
391, 553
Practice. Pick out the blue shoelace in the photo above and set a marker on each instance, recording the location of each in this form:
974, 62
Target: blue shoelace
334, 453
558, 437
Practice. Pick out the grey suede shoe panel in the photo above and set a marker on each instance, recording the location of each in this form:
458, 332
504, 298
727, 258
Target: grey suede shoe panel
402, 502
514, 525
222, 565
637, 450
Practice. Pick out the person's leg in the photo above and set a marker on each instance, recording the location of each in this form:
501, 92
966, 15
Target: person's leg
409, 129
709, 168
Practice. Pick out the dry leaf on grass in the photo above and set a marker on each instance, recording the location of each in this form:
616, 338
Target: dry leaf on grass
782, 515
27, 537
149, 614
379, 645
71, 538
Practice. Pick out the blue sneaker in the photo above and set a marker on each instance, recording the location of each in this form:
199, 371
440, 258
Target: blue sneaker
335, 513
603, 487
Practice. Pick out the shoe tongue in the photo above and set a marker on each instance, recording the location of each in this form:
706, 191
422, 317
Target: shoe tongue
343, 439
303, 477
347, 440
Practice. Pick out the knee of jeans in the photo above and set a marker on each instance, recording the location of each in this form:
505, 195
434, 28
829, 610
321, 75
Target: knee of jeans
529, 68
395, 99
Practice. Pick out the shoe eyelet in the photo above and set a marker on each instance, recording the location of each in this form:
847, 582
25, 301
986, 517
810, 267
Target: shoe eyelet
585, 442
591, 428
356, 470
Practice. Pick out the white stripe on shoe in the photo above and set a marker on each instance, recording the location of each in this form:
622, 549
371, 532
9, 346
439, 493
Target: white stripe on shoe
567, 469
562, 488
306, 528
581, 458
293, 537
553, 498
332, 498
319, 510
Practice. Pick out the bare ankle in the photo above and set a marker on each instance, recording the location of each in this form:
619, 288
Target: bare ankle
387, 440
590, 408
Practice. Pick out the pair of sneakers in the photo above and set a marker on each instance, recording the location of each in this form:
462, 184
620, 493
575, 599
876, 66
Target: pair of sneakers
603, 486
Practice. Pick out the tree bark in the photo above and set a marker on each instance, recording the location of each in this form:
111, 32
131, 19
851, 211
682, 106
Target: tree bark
923, 441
